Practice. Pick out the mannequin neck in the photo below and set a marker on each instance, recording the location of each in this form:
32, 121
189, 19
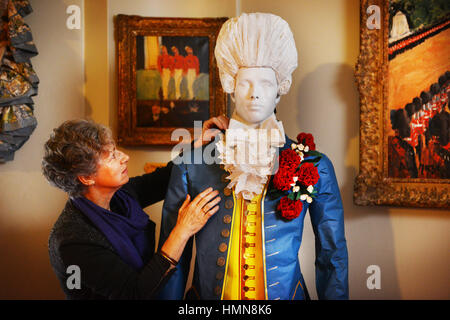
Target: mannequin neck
253, 125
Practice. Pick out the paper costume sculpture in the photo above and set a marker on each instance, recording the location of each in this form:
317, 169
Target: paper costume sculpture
267, 182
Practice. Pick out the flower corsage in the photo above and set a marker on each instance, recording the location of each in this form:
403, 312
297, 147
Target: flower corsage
296, 177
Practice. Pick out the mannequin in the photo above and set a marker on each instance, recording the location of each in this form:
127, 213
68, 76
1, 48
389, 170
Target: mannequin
255, 95
247, 250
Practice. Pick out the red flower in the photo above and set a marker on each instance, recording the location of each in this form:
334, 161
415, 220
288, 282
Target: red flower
290, 209
283, 178
306, 139
308, 175
289, 160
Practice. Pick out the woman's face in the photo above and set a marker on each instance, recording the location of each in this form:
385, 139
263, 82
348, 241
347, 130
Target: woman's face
112, 172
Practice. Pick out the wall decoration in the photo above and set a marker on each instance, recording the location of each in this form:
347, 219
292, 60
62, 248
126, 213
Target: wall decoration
18, 81
403, 77
167, 76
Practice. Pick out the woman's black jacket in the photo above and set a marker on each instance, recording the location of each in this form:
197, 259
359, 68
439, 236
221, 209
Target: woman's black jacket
75, 241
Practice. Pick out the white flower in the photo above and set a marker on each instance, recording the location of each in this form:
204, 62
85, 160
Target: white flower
293, 146
306, 149
310, 189
295, 179
299, 153
296, 189
301, 147
303, 197
308, 199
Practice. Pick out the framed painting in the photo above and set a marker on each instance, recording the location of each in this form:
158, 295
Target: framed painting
167, 77
403, 80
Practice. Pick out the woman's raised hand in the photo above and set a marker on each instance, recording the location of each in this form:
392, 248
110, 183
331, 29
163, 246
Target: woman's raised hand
211, 128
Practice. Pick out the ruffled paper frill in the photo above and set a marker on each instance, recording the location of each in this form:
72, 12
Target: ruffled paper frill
250, 155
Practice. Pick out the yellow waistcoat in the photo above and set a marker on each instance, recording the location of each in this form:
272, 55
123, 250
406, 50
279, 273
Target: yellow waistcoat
244, 274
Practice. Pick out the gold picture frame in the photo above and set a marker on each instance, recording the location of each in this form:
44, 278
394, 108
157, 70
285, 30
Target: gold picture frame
373, 185
151, 100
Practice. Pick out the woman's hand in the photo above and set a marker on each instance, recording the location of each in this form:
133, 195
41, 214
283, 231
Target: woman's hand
211, 128
193, 215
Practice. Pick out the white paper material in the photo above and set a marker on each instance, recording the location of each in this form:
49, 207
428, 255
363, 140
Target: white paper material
256, 40
249, 154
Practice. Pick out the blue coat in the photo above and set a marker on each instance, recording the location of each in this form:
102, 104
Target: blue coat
281, 238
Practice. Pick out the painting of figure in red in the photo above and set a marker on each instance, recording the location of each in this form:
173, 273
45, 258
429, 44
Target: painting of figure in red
172, 80
418, 115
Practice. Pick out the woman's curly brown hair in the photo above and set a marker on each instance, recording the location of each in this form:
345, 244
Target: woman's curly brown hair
73, 150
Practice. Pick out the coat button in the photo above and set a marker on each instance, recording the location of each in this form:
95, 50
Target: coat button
225, 233
219, 275
227, 192
217, 291
229, 204
221, 261
227, 219
223, 247
224, 178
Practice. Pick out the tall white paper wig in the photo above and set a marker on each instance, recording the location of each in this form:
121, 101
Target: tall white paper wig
256, 40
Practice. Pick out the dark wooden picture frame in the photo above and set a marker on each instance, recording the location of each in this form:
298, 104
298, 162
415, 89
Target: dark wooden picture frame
373, 185
128, 29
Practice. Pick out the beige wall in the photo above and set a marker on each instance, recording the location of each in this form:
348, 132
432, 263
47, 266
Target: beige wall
28, 205
410, 245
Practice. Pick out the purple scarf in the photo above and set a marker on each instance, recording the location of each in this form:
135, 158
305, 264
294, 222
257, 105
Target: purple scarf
128, 232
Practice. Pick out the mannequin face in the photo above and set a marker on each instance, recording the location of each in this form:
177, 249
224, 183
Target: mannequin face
255, 94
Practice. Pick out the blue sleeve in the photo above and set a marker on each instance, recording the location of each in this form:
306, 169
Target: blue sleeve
176, 194
327, 217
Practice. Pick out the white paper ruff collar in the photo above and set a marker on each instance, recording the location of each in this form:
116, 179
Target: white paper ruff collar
249, 154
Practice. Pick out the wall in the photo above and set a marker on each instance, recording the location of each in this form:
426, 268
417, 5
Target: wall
28, 204
410, 245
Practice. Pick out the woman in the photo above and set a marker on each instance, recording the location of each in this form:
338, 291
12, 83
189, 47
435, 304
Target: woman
102, 245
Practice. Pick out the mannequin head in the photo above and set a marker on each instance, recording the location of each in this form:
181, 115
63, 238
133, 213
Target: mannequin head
259, 41
255, 94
